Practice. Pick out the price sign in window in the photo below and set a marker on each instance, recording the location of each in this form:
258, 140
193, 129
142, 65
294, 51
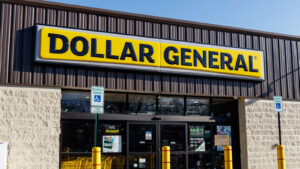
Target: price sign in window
196, 139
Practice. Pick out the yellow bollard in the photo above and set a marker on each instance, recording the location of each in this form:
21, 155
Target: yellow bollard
228, 157
96, 157
166, 157
280, 157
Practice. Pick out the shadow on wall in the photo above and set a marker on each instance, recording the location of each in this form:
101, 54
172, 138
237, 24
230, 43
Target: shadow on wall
251, 101
24, 70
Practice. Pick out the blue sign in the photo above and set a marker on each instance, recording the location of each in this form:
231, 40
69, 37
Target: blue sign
97, 98
278, 107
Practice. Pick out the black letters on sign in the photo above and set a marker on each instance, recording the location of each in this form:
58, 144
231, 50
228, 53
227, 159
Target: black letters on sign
251, 69
94, 49
85, 45
108, 50
147, 55
53, 38
167, 56
184, 56
240, 63
202, 59
128, 46
212, 59
227, 62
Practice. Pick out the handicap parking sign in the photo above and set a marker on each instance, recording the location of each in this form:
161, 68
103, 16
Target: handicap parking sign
97, 98
278, 104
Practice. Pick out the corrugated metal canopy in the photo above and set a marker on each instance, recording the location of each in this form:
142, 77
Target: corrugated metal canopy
17, 51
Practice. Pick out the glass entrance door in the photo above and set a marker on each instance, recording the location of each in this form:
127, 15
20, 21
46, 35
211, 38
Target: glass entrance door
143, 146
146, 140
174, 135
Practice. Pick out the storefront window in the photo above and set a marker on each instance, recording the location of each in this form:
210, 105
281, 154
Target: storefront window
171, 105
173, 136
138, 141
142, 138
114, 103
77, 136
178, 161
199, 138
112, 137
75, 101
199, 161
121, 103
111, 161
223, 107
75, 161
197, 106
142, 104
142, 161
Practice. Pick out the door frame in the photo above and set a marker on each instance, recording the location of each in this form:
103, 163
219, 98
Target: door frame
158, 143
185, 152
128, 153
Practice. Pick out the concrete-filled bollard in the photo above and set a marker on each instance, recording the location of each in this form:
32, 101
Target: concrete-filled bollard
166, 157
228, 157
280, 157
96, 157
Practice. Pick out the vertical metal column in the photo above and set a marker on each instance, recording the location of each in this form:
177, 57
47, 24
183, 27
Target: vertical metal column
96, 131
279, 128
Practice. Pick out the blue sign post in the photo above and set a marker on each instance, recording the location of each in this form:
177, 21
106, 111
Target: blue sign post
278, 107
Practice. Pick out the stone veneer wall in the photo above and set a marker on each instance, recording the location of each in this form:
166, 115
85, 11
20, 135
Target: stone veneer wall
30, 123
259, 133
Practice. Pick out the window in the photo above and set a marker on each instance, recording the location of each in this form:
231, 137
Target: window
171, 105
142, 104
200, 161
142, 161
174, 136
75, 102
114, 103
199, 137
223, 107
126, 137
112, 137
197, 106
77, 135
142, 138
178, 161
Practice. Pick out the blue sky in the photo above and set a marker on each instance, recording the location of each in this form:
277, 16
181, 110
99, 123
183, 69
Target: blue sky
280, 16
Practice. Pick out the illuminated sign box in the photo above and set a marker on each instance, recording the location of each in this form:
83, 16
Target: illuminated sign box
90, 48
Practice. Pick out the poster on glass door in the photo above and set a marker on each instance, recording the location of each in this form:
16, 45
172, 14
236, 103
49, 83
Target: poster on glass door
112, 144
223, 130
196, 138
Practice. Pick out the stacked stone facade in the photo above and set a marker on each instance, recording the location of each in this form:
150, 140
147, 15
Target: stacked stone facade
30, 123
259, 133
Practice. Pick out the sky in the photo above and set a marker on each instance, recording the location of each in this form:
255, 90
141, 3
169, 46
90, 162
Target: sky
279, 16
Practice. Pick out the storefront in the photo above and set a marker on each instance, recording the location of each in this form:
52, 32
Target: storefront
167, 82
134, 127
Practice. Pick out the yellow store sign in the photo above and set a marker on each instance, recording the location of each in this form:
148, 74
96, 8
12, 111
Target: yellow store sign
72, 46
